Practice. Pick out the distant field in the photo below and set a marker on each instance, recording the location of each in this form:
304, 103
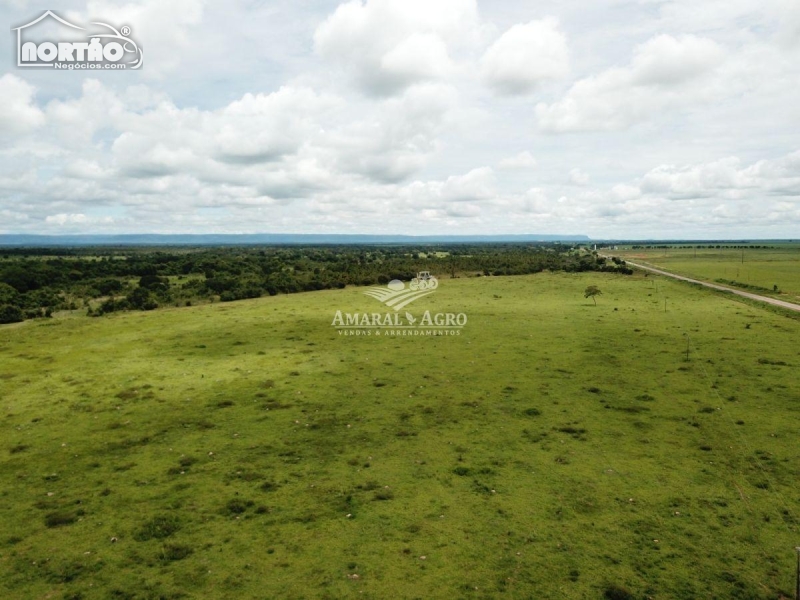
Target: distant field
553, 450
762, 268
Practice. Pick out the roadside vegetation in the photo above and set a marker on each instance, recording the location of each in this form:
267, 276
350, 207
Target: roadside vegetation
766, 269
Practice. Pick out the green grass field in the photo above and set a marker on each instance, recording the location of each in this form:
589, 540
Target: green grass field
553, 450
762, 268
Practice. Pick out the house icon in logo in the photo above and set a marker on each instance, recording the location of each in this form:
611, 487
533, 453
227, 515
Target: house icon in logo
21, 28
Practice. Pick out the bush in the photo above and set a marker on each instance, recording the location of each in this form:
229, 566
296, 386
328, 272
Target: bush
173, 552
57, 519
237, 506
154, 282
142, 299
10, 314
159, 527
615, 592
107, 287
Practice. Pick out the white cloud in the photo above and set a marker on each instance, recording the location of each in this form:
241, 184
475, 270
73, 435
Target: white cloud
665, 60
14, 3
523, 160
265, 127
166, 31
789, 20
76, 219
525, 56
18, 113
399, 137
75, 121
421, 56
623, 192
391, 44
478, 184
726, 179
534, 201
261, 150
659, 78
578, 177
255, 117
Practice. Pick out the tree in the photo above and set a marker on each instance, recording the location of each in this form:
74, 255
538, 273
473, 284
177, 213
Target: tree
154, 283
8, 295
142, 299
591, 292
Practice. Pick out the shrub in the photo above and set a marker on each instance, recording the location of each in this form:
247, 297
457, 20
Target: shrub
58, 519
173, 552
237, 506
159, 527
615, 592
10, 314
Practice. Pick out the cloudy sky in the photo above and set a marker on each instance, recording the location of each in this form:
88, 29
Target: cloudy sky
634, 119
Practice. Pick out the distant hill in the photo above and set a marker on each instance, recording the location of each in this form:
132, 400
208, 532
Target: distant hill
267, 239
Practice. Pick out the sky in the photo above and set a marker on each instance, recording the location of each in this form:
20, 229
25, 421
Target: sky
613, 119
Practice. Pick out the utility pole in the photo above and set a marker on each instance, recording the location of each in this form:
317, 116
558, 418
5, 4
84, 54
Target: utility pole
742, 255
665, 305
687, 360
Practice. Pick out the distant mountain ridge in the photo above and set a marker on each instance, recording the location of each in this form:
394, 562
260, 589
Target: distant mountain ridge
266, 239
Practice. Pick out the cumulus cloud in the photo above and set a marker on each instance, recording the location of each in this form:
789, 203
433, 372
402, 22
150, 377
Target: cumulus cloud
789, 19
660, 76
76, 219
265, 127
476, 185
364, 117
523, 160
533, 201
18, 113
140, 150
525, 56
165, 30
726, 178
399, 137
392, 44
578, 177
421, 56
665, 60
472, 188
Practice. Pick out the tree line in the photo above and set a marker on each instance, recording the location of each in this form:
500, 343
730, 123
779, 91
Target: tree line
36, 283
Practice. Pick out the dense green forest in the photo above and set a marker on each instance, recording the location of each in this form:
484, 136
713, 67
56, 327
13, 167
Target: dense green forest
36, 283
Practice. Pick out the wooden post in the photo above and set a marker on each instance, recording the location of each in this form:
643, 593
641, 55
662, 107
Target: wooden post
797, 577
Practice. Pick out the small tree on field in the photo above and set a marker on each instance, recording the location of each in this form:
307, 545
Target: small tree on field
591, 292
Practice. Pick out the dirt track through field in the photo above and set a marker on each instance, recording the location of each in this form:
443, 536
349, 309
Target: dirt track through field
722, 288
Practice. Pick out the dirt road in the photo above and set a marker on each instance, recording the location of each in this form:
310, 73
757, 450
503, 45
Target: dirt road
722, 288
